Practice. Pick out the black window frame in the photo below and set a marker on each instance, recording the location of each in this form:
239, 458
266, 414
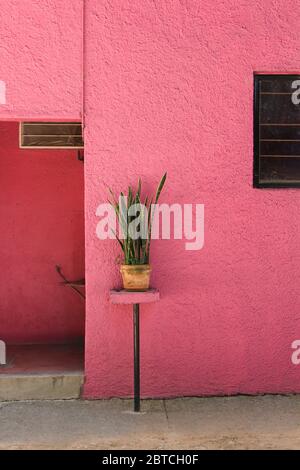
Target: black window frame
256, 133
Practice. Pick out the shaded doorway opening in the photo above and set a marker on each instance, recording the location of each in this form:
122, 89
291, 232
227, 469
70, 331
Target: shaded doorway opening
42, 226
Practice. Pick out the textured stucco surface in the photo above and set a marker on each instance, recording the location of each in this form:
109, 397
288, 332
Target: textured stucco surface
42, 224
40, 54
169, 86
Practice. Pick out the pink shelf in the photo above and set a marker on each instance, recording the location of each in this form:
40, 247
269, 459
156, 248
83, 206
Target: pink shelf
125, 297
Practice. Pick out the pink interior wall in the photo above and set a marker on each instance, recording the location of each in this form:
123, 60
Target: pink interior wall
42, 224
169, 86
41, 58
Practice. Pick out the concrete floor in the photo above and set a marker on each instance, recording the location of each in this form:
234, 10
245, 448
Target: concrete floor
265, 422
34, 359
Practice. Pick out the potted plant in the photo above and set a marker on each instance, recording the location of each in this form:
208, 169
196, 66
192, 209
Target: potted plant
135, 268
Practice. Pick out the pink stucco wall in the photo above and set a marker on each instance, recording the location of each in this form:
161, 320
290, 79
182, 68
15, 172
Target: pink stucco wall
40, 54
169, 86
42, 224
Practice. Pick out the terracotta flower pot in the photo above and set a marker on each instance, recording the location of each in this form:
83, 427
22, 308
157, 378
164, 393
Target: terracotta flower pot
136, 277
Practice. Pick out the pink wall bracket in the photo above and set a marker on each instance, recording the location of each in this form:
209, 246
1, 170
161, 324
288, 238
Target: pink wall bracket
126, 297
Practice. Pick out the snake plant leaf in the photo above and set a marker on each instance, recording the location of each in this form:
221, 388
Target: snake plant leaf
113, 196
130, 196
160, 187
139, 188
120, 242
135, 251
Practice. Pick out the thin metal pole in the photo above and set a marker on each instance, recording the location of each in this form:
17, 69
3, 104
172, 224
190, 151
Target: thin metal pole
136, 345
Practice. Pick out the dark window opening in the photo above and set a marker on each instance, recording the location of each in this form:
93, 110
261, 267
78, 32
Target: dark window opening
277, 131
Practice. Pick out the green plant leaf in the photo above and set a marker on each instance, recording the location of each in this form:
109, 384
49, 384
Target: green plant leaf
139, 188
160, 187
135, 251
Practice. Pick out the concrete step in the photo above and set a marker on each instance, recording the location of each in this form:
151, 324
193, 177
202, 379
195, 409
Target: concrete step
42, 372
40, 387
